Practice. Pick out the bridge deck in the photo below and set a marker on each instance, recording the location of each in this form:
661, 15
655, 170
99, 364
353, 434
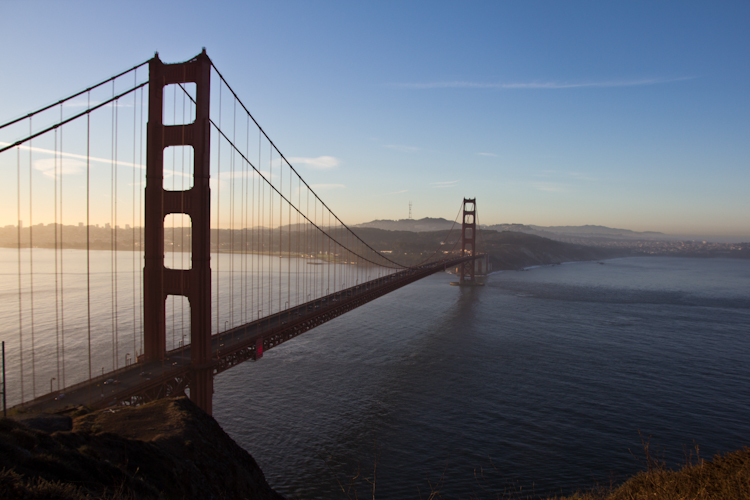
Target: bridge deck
145, 381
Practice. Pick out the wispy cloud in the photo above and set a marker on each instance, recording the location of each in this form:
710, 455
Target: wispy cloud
319, 163
403, 149
552, 187
487, 154
324, 187
444, 184
541, 85
398, 192
52, 167
93, 159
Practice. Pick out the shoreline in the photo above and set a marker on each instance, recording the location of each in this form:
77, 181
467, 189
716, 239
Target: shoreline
140, 452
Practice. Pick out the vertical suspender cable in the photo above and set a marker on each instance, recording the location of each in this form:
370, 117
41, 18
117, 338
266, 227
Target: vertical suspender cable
57, 295
289, 247
262, 218
299, 230
132, 246
88, 235
62, 266
218, 222
270, 237
306, 249
111, 229
231, 217
31, 271
140, 225
259, 235
20, 288
253, 227
281, 224
243, 239
247, 197
114, 230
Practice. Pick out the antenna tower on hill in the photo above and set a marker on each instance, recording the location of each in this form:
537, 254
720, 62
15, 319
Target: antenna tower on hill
410, 210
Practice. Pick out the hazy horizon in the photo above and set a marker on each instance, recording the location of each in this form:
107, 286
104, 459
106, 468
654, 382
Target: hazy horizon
716, 237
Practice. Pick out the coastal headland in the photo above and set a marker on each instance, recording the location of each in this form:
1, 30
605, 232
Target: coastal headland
166, 449
170, 449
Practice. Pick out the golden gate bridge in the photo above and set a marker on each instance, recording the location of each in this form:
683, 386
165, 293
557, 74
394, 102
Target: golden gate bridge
143, 302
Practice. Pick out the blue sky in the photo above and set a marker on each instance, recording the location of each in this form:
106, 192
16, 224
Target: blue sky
631, 114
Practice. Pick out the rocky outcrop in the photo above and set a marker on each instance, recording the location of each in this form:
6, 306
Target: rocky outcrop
167, 449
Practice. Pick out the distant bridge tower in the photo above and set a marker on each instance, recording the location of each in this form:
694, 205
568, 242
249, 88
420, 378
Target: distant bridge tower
158, 280
468, 247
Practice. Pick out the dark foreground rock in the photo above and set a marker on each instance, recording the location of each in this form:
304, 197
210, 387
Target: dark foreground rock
168, 449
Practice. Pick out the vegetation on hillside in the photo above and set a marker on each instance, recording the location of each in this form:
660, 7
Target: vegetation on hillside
507, 249
726, 477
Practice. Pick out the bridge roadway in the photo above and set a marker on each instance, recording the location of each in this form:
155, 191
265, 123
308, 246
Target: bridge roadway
145, 381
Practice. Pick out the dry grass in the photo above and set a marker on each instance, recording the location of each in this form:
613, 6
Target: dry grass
725, 477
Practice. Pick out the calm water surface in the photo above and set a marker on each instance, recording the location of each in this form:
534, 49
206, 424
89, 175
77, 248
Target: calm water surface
542, 379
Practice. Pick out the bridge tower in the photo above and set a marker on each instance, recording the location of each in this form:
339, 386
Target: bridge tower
158, 280
468, 247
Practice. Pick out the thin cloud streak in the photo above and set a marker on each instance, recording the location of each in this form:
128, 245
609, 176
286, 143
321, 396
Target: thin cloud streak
319, 163
444, 184
77, 156
54, 167
540, 85
487, 154
550, 187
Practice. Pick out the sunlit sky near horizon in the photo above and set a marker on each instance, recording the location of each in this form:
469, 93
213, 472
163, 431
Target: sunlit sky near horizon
633, 115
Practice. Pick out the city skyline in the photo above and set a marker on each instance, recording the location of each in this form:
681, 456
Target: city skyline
628, 116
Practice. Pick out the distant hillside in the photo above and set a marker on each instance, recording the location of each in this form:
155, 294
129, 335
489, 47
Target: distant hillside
552, 232
416, 226
507, 249
587, 231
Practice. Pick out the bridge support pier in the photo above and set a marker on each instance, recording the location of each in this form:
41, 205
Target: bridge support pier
202, 388
158, 280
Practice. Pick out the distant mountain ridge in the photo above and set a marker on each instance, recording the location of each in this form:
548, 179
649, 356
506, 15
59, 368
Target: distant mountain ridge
416, 226
552, 232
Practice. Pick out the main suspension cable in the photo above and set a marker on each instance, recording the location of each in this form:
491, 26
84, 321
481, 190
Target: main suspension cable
68, 120
62, 101
292, 167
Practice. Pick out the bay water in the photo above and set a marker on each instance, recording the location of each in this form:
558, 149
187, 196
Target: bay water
543, 381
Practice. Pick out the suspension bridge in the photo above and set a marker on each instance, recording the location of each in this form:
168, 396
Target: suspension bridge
207, 254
